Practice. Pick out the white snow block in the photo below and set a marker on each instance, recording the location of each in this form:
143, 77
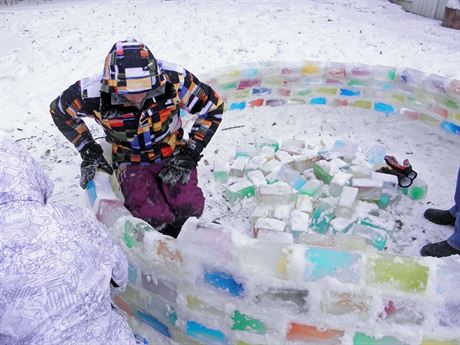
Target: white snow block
271, 224
256, 177
255, 163
238, 165
275, 236
282, 212
306, 160
277, 193
342, 225
346, 202
270, 166
304, 203
284, 157
293, 146
261, 212
390, 182
361, 171
300, 221
338, 182
369, 189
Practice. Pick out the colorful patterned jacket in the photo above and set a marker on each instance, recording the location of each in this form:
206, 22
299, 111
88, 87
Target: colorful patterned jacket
148, 135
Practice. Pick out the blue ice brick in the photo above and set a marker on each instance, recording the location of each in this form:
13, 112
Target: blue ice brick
205, 335
261, 91
132, 273
91, 191
224, 281
384, 107
153, 322
249, 73
318, 100
349, 92
240, 105
450, 127
328, 262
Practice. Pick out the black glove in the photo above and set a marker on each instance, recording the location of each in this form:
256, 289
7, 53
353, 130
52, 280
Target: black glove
92, 160
178, 168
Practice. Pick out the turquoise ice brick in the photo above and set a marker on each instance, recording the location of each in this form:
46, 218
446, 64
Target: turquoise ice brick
384, 108
153, 322
330, 262
224, 281
204, 334
318, 100
237, 105
249, 73
384, 201
132, 273
349, 92
363, 339
320, 220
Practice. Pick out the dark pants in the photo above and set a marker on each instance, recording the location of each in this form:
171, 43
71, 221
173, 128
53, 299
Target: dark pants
162, 206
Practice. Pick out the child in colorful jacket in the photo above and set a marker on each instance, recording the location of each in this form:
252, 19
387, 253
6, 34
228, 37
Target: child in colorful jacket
137, 102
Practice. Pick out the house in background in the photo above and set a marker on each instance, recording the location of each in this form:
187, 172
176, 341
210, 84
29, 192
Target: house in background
446, 10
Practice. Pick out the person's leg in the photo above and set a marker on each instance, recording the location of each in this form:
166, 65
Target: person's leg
454, 210
454, 240
144, 197
186, 200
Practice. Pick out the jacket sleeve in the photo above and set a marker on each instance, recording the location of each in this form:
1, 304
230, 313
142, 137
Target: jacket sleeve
199, 98
67, 111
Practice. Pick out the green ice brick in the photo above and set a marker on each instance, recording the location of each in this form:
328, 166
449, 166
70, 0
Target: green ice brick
362, 104
355, 82
229, 86
322, 174
134, 232
302, 93
405, 274
328, 90
240, 194
242, 322
363, 339
220, 176
391, 75
320, 221
450, 103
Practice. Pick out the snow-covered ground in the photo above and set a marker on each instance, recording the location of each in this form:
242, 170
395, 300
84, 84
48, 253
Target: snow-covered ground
47, 45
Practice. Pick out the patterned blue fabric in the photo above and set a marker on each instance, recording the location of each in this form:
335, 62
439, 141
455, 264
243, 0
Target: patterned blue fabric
56, 262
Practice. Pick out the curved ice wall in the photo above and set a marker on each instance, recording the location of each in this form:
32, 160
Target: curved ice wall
214, 286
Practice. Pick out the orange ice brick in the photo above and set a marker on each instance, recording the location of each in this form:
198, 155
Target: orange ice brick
309, 332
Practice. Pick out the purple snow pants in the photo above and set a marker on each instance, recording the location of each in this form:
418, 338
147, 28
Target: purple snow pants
148, 198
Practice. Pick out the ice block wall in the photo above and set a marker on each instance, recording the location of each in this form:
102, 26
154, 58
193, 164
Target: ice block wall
432, 99
214, 285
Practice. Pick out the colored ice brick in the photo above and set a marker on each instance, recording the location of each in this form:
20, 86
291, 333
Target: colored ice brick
384, 108
240, 190
327, 262
376, 154
132, 273
321, 171
224, 281
289, 298
291, 177
417, 190
311, 333
318, 100
320, 220
153, 322
243, 322
349, 92
374, 236
363, 339
402, 273
204, 334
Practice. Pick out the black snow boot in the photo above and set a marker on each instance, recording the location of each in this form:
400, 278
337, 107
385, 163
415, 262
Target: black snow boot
442, 217
171, 230
439, 250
